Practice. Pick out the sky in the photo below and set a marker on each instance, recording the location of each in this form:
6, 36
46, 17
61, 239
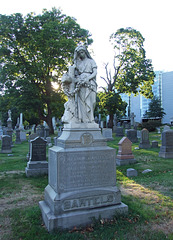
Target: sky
152, 18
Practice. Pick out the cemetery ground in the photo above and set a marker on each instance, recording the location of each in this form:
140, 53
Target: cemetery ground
149, 198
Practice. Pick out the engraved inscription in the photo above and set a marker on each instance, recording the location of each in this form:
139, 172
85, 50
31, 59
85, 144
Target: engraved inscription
87, 169
88, 202
86, 139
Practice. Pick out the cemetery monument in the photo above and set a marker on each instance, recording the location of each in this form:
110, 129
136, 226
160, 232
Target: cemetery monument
82, 168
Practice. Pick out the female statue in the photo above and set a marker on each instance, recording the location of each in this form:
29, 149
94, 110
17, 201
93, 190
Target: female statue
80, 86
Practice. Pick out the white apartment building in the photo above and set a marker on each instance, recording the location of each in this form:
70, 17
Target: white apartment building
162, 88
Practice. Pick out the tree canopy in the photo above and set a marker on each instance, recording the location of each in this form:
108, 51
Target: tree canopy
35, 51
133, 72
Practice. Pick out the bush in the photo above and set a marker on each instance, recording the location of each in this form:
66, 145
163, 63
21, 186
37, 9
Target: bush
150, 125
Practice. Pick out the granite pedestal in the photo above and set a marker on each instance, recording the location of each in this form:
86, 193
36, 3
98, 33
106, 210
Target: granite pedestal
82, 179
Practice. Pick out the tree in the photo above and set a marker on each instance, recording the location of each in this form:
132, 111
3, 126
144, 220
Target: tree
133, 72
155, 109
110, 101
35, 51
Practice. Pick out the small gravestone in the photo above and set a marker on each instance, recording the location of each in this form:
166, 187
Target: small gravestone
1, 131
18, 140
132, 135
166, 150
144, 142
154, 144
131, 172
40, 131
6, 144
107, 133
31, 137
55, 140
37, 164
9, 132
46, 132
125, 156
119, 132
22, 136
132, 119
147, 171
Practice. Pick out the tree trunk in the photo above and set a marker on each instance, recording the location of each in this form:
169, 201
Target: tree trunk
49, 123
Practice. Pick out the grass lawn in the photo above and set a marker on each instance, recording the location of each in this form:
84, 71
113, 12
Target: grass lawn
148, 196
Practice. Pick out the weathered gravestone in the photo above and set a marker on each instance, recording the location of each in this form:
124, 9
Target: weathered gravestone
154, 144
144, 141
6, 144
1, 131
119, 132
166, 150
82, 168
131, 172
125, 156
107, 133
31, 137
46, 132
18, 140
40, 131
132, 135
37, 164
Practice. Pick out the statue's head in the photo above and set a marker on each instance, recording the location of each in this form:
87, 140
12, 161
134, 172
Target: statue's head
81, 48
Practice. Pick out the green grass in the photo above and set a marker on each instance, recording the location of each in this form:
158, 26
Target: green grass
149, 198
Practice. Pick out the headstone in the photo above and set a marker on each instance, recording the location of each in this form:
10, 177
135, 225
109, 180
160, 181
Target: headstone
1, 131
166, 150
131, 172
119, 132
107, 133
48, 139
9, 124
132, 119
37, 164
40, 131
18, 140
158, 130
55, 140
146, 171
18, 123
46, 132
144, 142
31, 137
6, 144
21, 127
9, 132
82, 169
154, 144
132, 135
125, 156
23, 136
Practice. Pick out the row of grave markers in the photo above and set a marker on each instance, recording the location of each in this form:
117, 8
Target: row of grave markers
38, 165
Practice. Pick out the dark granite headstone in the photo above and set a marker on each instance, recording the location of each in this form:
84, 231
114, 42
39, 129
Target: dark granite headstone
144, 142
6, 144
166, 150
37, 164
119, 132
132, 135
18, 140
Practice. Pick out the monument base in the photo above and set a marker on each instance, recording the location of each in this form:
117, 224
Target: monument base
144, 145
166, 154
82, 180
78, 218
121, 162
35, 168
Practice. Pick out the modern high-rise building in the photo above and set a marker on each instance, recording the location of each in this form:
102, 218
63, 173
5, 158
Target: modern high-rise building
163, 89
